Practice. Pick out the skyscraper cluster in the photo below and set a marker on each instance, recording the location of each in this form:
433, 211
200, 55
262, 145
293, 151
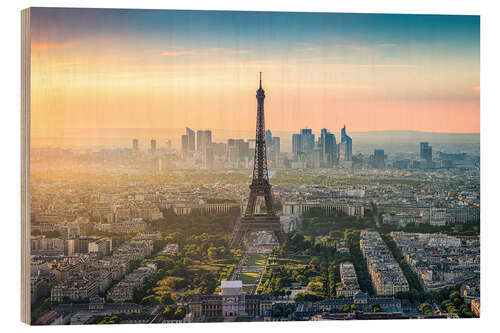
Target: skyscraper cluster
153, 145
197, 144
238, 153
235, 153
325, 152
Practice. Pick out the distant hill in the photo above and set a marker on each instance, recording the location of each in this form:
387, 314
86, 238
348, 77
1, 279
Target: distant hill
413, 136
392, 141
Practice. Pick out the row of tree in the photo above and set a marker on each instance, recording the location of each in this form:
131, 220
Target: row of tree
190, 225
172, 312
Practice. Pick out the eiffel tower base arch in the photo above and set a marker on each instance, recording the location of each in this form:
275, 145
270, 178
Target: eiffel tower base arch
249, 224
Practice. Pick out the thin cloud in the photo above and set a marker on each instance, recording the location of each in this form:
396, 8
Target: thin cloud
170, 53
305, 47
352, 47
240, 52
360, 48
385, 45
202, 52
380, 65
35, 46
309, 49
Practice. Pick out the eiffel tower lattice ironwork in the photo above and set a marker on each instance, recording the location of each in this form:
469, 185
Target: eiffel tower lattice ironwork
260, 187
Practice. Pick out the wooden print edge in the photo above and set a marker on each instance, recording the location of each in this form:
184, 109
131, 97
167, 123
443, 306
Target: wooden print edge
25, 166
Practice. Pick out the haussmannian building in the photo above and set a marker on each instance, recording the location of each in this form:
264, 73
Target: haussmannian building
387, 277
299, 208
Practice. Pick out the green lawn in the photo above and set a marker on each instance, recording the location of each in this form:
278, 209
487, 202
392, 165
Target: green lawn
304, 260
257, 260
249, 278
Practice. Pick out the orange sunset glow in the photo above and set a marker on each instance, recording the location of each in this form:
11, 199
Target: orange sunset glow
105, 71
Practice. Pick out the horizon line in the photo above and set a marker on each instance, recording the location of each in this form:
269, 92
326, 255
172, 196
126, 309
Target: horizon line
251, 130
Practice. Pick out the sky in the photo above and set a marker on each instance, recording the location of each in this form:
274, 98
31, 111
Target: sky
126, 69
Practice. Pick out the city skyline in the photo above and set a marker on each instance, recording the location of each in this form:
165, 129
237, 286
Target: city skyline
320, 69
118, 138
156, 189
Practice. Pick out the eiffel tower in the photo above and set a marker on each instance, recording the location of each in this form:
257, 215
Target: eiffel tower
260, 186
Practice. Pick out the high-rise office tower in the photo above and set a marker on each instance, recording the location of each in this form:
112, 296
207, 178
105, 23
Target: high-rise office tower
269, 145
423, 146
153, 146
203, 139
347, 145
199, 139
329, 149
307, 140
207, 138
324, 132
303, 143
135, 144
321, 142
296, 144
426, 153
269, 138
272, 147
379, 158
191, 139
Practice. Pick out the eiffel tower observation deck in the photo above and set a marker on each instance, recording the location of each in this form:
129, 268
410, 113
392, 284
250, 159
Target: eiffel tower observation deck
260, 187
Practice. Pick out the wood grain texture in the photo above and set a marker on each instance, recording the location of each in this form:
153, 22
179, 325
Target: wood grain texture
25, 166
